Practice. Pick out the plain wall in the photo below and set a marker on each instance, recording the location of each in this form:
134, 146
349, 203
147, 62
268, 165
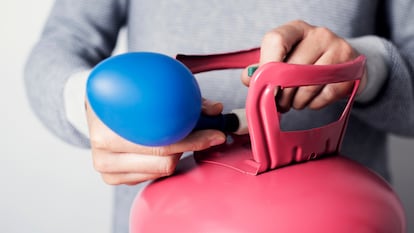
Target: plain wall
48, 186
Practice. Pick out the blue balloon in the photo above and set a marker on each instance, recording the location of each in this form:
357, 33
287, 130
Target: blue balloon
147, 98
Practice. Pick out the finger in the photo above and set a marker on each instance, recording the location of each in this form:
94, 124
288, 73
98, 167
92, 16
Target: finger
277, 43
247, 73
284, 98
334, 91
211, 107
198, 140
108, 162
103, 138
304, 95
339, 51
317, 41
307, 51
331, 93
128, 178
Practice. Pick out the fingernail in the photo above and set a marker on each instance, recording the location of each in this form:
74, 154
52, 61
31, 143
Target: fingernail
251, 70
210, 102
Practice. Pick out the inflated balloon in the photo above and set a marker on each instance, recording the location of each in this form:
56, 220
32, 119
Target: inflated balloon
152, 99
147, 98
274, 180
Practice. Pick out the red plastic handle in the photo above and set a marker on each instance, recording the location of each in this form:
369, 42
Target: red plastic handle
273, 147
270, 146
234, 60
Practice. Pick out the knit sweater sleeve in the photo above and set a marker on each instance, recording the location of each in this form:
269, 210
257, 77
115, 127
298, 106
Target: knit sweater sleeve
77, 35
392, 109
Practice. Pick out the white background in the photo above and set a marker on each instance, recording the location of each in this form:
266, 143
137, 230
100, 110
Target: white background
48, 186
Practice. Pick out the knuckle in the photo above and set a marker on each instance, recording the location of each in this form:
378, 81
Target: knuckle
298, 105
100, 165
300, 22
275, 39
329, 93
347, 52
111, 179
167, 167
159, 150
324, 31
197, 145
99, 142
309, 90
283, 106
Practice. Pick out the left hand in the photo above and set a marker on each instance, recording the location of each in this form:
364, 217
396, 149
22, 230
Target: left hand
120, 161
298, 42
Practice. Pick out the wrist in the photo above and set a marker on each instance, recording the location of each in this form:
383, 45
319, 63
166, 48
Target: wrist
376, 67
74, 99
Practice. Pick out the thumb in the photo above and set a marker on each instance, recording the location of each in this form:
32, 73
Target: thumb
248, 73
210, 107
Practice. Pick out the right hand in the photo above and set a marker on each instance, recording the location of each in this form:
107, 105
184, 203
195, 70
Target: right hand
298, 42
122, 162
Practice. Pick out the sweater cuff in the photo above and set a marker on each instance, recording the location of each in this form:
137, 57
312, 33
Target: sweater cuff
74, 99
377, 69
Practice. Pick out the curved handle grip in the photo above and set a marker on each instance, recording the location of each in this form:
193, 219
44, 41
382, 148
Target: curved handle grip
234, 60
293, 75
273, 147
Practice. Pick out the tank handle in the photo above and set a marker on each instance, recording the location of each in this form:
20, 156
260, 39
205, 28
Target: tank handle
233, 60
273, 147
270, 146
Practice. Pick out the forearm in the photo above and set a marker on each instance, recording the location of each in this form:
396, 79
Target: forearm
390, 103
45, 79
77, 35
376, 66
74, 99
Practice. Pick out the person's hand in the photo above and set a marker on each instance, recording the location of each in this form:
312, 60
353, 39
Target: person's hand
297, 42
122, 162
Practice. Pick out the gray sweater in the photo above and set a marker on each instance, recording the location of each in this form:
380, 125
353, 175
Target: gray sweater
79, 34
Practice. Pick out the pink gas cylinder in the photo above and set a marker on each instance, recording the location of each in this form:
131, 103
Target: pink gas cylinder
272, 180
